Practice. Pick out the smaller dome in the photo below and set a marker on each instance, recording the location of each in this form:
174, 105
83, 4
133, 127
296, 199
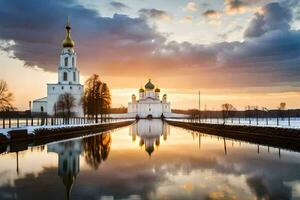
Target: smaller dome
141, 90
133, 95
149, 85
157, 90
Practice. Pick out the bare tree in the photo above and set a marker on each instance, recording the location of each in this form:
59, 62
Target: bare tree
281, 109
6, 97
65, 104
227, 111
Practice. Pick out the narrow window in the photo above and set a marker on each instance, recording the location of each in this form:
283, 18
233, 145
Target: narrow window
65, 76
62, 87
73, 63
42, 109
66, 61
74, 76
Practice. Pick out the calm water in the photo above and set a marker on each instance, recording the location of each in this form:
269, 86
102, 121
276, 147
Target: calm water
150, 160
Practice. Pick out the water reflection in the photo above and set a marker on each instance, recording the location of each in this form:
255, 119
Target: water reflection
149, 132
188, 165
68, 161
95, 150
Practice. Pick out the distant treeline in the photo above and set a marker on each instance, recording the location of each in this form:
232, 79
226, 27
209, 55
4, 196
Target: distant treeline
242, 114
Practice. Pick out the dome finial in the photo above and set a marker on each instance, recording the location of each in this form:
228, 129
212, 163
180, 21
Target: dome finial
68, 22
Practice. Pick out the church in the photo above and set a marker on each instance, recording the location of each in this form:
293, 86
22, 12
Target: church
149, 104
68, 81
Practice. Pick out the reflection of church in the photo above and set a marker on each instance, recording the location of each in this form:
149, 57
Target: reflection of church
68, 161
149, 132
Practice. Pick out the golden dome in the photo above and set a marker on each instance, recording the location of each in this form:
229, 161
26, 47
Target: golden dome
149, 85
141, 90
68, 42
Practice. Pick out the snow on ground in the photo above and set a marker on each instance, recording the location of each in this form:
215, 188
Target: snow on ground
293, 123
30, 129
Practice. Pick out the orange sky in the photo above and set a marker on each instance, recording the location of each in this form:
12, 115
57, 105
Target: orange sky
243, 54
28, 84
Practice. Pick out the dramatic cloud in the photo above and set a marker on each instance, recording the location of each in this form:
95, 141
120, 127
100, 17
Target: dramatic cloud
118, 5
212, 14
273, 17
191, 7
124, 46
240, 6
234, 6
155, 14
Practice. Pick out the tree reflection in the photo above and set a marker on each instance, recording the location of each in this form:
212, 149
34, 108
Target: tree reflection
96, 149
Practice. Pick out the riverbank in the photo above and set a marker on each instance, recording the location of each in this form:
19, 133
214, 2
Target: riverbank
268, 136
46, 134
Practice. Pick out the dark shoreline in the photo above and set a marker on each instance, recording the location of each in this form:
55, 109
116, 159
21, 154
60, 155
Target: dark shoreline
288, 139
20, 141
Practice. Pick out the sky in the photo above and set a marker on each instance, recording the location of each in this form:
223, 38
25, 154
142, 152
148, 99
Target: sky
243, 52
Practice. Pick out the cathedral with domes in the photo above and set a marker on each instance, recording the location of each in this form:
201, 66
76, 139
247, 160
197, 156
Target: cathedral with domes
149, 104
68, 81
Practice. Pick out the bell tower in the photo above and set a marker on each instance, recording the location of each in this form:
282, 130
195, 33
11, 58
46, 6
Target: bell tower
67, 70
68, 77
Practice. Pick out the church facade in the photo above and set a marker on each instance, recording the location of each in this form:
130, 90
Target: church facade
68, 81
149, 104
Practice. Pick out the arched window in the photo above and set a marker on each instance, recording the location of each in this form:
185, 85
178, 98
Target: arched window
65, 76
42, 109
74, 76
73, 62
66, 61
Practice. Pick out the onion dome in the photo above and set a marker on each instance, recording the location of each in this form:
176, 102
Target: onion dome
157, 90
141, 90
149, 150
68, 42
149, 85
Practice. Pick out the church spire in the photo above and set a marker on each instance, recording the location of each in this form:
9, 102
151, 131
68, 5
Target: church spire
68, 42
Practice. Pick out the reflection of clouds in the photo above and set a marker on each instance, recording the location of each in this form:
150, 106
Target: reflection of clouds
269, 189
178, 171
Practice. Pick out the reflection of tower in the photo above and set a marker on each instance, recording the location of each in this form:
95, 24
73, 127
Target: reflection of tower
149, 132
68, 161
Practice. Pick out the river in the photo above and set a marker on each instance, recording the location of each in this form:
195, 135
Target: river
150, 160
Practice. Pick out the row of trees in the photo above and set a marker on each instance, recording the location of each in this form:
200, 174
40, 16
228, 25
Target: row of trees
96, 100
229, 111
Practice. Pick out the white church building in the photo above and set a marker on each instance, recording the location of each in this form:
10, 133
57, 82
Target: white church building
68, 80
149, 104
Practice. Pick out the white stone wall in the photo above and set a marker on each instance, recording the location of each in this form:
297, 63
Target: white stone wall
37, 105
54, 90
